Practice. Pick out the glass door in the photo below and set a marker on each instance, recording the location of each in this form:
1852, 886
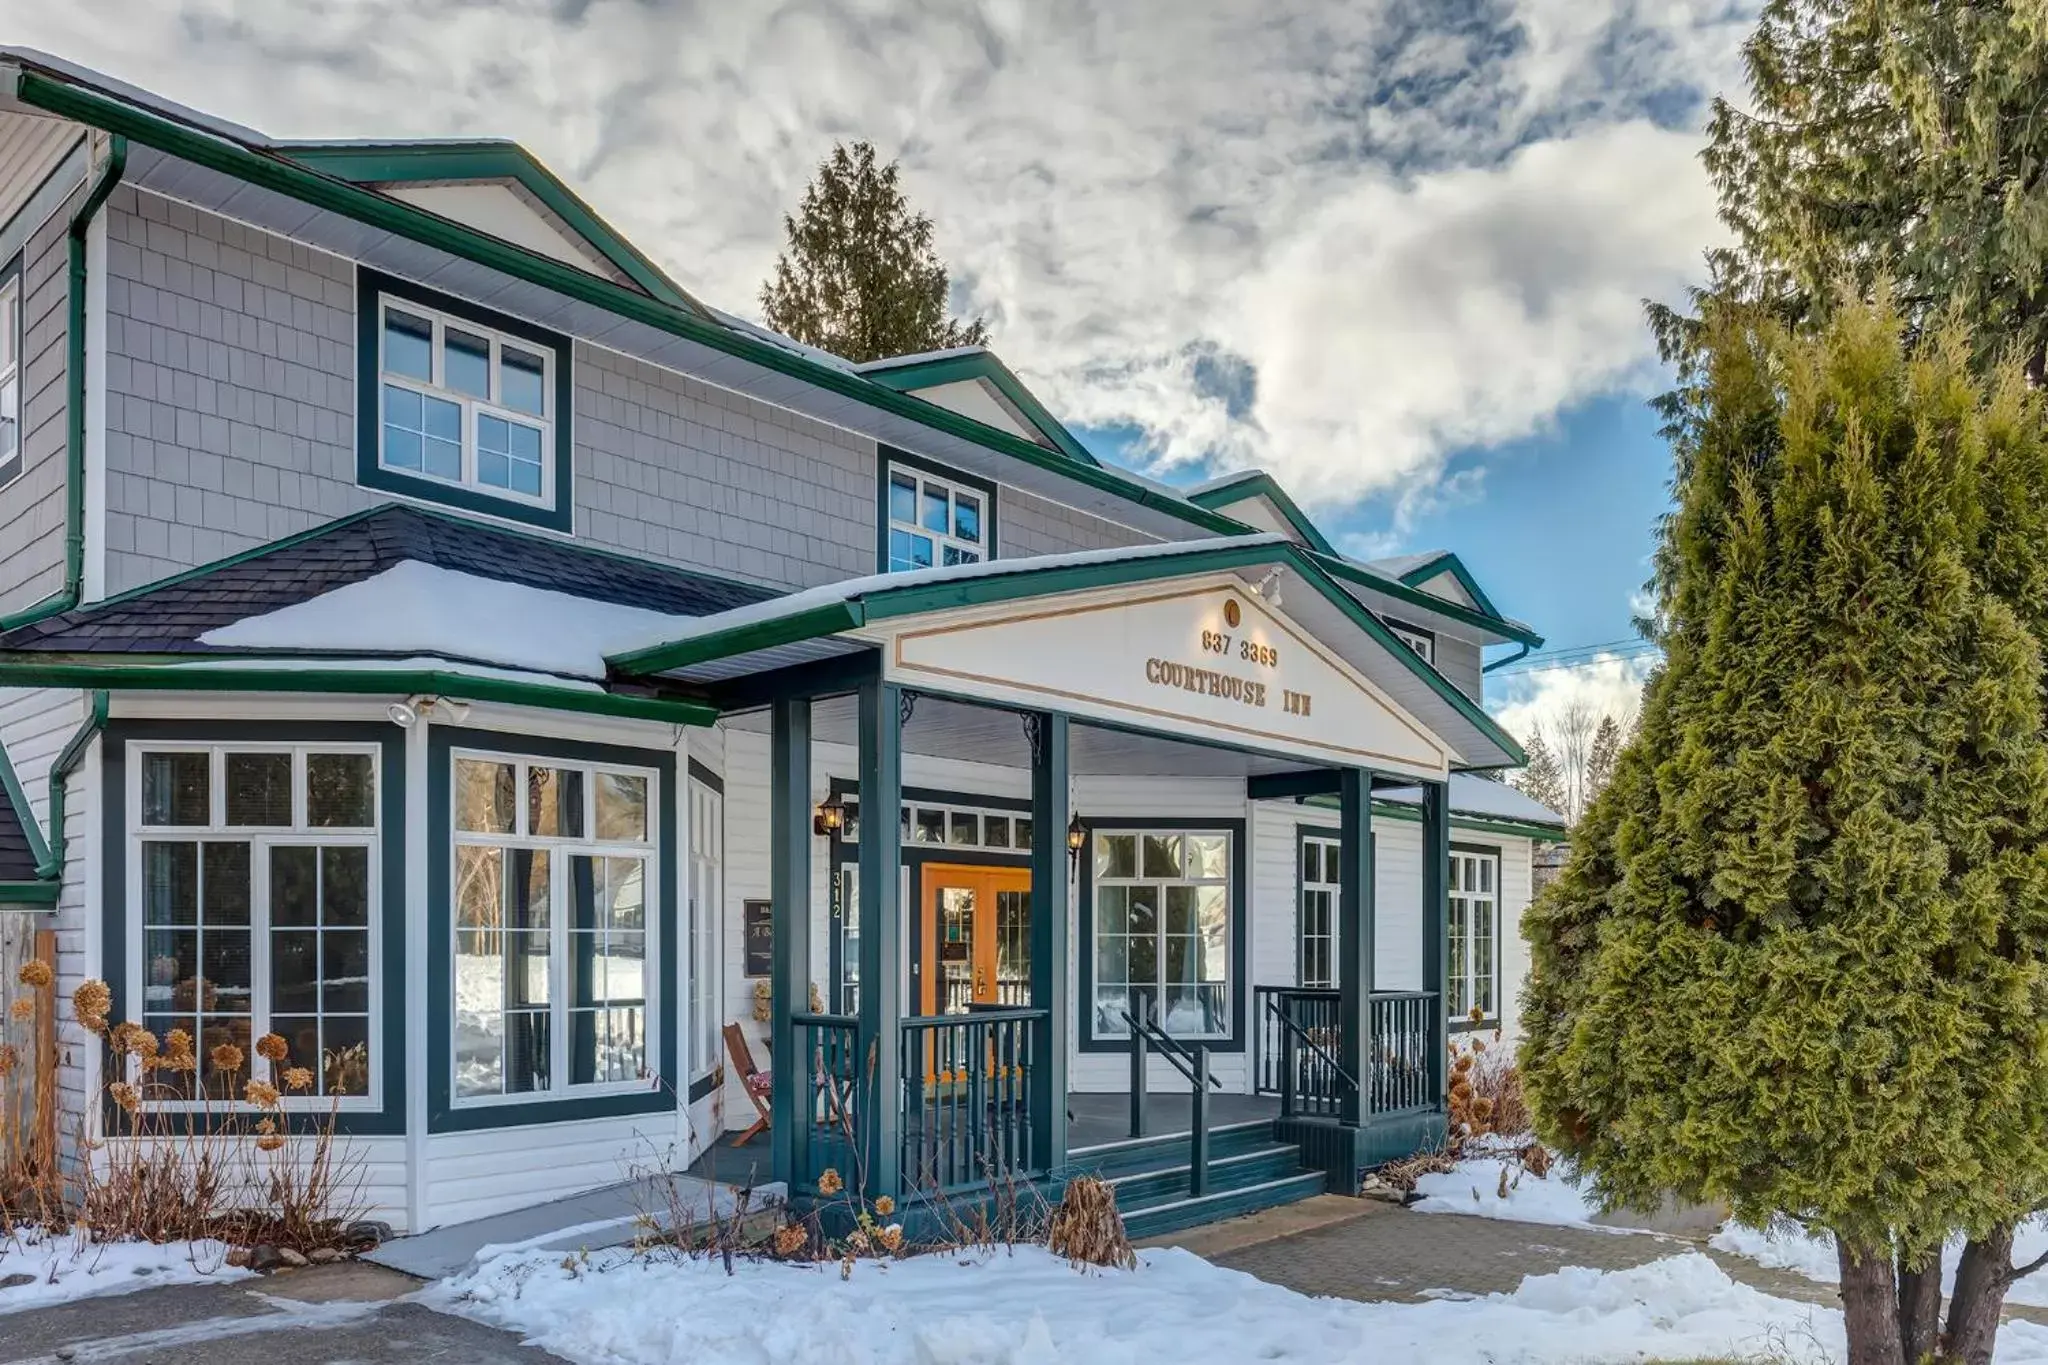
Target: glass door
977, 938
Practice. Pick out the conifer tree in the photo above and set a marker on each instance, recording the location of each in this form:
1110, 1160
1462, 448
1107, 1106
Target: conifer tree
1796, 959
1600, 758
859, 277
1542, 780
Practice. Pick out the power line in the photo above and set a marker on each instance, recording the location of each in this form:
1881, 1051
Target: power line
1575, 656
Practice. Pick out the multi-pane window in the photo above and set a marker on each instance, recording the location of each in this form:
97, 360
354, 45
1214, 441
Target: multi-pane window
552, 896
10, 375
1001, 831
1474, 967
465, 405
934, 522
1421, 641
707, 842
1319, 891
255, 877
1162, 931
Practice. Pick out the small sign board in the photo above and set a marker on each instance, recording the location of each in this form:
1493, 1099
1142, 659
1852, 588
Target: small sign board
757, 930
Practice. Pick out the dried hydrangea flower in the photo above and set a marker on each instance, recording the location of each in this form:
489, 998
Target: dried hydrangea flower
125, 1095
298, 1078
261, 1093
272, 1047
226, 1057
23, 1009
36, 974
829, 1183
884, 1206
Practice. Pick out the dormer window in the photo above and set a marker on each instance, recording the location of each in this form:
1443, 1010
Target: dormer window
469, 408
1421, 641
933, 520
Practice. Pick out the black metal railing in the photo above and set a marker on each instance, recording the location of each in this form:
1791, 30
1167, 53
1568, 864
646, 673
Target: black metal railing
1406, 1029
1191, 1060
1314, 1008
829, 1137
1312, 1082
967, 1114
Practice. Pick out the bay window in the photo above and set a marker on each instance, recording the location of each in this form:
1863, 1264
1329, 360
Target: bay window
255, 871
1162, 931
553, 866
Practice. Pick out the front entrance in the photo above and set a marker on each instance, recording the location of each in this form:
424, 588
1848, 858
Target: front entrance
977, 937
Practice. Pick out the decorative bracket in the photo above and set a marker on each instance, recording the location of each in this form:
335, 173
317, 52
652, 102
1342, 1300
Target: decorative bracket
907, 702
1034, 731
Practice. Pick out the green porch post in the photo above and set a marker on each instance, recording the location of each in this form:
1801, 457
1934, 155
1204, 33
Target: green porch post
1051, 870
881, 936
1355, 936
1436, 867
789, 890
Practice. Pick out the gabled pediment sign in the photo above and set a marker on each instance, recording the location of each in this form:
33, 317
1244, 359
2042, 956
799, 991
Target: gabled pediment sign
1208, 661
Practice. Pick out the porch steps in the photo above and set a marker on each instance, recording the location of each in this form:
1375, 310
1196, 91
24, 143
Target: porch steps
1248, 1171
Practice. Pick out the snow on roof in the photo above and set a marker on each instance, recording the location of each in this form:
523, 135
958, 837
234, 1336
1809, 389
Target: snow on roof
690, 628
418, 663
425, 609
1397, 565
1222, 481
892, 362
1474, 795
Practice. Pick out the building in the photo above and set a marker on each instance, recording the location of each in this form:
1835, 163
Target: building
434, 636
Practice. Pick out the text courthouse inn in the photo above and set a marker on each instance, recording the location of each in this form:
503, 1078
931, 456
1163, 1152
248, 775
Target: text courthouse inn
590, 728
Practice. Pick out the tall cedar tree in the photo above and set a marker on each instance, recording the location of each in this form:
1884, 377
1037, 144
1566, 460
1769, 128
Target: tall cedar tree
859, 277
1542, 779
1796, 959
1601, 757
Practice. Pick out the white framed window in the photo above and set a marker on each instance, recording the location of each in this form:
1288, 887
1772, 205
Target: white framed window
1316, 963
1474, 965
707, 891
255, 870
555, 921
934, 521
10, 374
1162, 931
1421, 641
464, 405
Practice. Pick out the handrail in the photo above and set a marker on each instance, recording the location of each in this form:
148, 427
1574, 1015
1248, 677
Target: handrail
1322, 1054
1008, 1014
1195, 1068
827, 1020
1170, 1047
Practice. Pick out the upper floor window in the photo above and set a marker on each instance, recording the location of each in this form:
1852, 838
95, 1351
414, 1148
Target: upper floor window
10, 373
470, 408
930, 520
1421, 641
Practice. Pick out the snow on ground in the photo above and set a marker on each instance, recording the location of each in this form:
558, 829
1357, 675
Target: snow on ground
67, 1267
1030, 1308
1789, 1247
1474, 1187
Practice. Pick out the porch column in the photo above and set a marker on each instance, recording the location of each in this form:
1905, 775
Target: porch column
881, 935
789, 891
1355, 936
1051, 873
1436, 868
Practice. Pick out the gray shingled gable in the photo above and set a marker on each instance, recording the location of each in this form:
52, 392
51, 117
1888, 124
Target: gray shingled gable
170, 617
17, 859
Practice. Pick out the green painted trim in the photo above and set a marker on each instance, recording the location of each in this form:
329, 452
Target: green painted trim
66, 597
97, 703
18, 799
442, 1114
1240, 928
491, 159
61, 97
40, 895
1258, 483
371, 288
1513, 631
192, 673
1520, 829
1514, 658
830, 619
391, 852
927, 374
991, 537
1449, 563
10, 468
1466, 1024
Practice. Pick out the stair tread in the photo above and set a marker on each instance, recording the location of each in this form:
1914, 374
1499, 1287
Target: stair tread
1256, 1154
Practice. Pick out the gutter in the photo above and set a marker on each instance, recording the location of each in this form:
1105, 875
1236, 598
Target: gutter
66, 597
51, 868
1513, 658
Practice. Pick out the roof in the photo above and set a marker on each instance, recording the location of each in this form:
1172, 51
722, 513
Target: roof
1231, 489
1478, 796
23, 852
17, 856
915, 373
1396, 566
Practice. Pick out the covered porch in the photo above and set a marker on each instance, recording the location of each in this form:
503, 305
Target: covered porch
976, 990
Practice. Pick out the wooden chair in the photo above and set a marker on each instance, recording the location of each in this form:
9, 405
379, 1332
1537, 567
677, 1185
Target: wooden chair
759, 1083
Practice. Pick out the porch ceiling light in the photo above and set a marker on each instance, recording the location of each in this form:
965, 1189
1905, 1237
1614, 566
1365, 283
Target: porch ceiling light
828, 818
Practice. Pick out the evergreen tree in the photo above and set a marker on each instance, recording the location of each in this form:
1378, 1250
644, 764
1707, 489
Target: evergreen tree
1542, 781
859, 277
1600, 758
1796, 959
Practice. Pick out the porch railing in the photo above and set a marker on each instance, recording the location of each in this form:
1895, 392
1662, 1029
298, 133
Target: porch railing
828, 1045
1191, 1060
1300, 1040
967, 1116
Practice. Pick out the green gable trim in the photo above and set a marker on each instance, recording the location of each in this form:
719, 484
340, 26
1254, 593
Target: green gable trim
1448, 563
371, 288
324, 191
1339, 567
10, 784
491, 159
1257, 483
235, 673
30, 895
929, 374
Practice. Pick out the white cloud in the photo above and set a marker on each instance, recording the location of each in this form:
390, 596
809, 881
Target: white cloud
1609, 684
1392, 228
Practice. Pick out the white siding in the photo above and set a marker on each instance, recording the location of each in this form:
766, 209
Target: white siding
474, 1175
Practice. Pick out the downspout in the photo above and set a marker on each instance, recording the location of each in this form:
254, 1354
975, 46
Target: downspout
1513, 658
52, 866
66, 597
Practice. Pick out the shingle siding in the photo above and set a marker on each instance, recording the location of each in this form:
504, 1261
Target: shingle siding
1034, 526
32, 505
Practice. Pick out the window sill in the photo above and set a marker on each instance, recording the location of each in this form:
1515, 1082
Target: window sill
1468, 1025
